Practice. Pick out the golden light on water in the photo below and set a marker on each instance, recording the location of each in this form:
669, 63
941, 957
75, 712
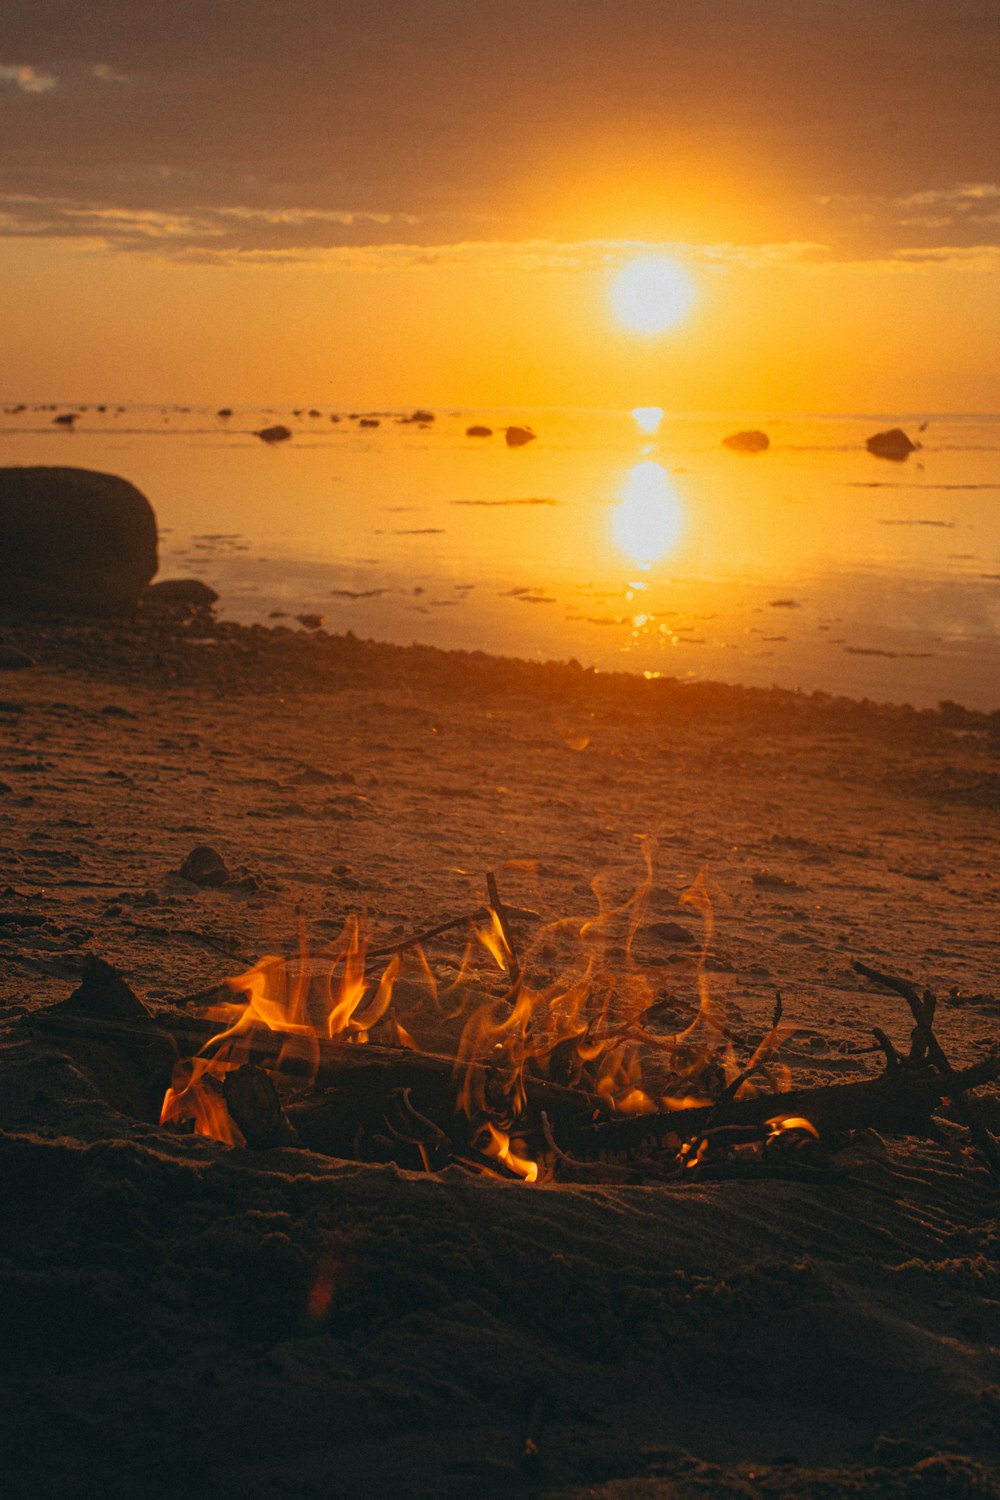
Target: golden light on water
652, 294
648, 419
650, 519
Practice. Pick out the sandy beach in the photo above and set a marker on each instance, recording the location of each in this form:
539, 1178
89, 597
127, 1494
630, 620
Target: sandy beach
472, 1335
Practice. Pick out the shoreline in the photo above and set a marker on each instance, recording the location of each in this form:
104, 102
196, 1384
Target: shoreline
249, 657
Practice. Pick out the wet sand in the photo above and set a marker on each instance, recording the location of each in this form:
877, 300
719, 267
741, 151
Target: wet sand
769, 1337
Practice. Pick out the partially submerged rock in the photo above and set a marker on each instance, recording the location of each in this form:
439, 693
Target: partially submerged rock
894, 443
276, 434
479, 431
74, 541
517, 436
751, 441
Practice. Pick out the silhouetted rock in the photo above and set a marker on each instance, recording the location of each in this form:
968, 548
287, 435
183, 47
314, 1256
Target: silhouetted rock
479, 431
224, 411
751, 441
368, 422
65, 420
180, 593
102, 995
893, 444
73, 540
204, 866
517, 436
275, 434
420, 416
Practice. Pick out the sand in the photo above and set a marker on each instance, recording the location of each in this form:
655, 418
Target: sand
179, 1315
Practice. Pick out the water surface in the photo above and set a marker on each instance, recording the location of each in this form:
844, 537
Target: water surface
812, 565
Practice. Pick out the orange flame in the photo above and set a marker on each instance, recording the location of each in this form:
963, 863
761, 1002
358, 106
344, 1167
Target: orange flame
497, 1143
585, 1028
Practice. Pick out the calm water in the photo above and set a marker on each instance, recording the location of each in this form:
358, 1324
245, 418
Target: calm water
813, 565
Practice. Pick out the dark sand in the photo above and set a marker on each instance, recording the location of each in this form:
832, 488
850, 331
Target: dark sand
183, 1318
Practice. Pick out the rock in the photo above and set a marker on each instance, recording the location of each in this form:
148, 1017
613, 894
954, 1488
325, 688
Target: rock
74, 540
103, 995
479, 431
671, 932
893, 444
65, 420
224, 411
752, 441
368, 422
275, 434
180, 593
518, 436
419, 416
12, 660
204, 866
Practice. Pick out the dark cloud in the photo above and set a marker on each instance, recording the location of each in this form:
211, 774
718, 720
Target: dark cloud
461, 120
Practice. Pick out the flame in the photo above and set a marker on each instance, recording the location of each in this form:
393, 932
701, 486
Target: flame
780, 1123
494, 941
193, 1095
576, 1016
497, 1143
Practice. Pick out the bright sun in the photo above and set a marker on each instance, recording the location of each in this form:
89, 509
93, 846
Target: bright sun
651, 294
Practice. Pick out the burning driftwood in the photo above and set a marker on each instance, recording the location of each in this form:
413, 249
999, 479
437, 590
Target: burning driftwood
562, 1082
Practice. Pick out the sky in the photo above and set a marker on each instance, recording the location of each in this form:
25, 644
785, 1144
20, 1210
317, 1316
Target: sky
389, 202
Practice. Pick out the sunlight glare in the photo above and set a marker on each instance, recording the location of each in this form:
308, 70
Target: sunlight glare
649, 520
652, 294
648, 418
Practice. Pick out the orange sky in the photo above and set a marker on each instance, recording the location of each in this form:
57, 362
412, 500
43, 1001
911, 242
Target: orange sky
389, 205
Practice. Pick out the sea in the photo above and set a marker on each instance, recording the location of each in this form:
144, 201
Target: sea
628, 541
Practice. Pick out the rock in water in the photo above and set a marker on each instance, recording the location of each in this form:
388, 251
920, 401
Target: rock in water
517, 436
893, 444
73, 540
753, 441
276, 434
479, 431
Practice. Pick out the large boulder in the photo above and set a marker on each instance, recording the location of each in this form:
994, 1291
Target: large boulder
74, 540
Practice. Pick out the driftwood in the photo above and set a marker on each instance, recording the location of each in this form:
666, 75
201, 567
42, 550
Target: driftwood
899, 1102
389, 1103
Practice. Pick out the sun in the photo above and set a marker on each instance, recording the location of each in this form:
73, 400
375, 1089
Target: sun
652, 294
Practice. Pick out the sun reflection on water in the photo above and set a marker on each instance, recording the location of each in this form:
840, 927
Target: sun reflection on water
648, 419
648, 522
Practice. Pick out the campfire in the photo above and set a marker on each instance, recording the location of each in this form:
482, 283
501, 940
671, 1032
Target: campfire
548, 1052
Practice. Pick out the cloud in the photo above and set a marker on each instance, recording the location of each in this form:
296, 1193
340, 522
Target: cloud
27, 79
107, 74
365, 240
953, 213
